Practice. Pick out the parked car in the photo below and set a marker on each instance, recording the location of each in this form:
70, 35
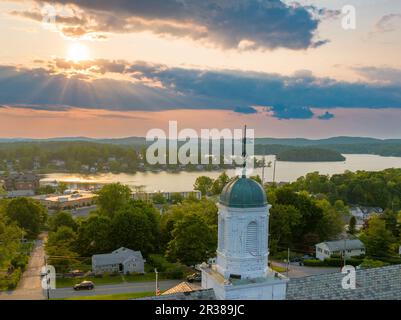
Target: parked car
84, 285
196, 277
296, 259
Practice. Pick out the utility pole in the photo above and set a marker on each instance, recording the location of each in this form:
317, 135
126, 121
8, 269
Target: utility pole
157, 285
345, 241
263, 170
288, 260
47, 280
274, 171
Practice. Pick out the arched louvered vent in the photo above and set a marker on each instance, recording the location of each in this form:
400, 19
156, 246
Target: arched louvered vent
252, 238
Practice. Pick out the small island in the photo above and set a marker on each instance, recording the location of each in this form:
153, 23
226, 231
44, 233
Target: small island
308, 154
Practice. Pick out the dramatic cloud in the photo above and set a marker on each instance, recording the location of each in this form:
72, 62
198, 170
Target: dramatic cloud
291, 112
284, 97
244, 24
385, 74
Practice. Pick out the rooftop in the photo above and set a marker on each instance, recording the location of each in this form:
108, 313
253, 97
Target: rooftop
371, 284
343, 244
117, 256
243, 193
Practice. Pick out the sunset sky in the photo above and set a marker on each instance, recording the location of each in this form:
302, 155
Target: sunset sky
119, 68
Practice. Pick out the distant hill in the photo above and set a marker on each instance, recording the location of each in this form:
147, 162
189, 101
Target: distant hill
347, 145
309, 154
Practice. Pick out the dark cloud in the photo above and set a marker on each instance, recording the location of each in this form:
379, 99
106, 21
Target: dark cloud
287, 97
383, 74
326, 116
284, 112
267, 24
245, 110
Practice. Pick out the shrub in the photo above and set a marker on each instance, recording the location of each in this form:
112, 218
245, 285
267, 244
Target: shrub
370, 263
175, 271
314, 263
354, 261
391, 260
14, 279
169, 270
159, 262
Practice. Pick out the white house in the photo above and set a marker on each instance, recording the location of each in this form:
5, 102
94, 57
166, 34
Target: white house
351, 247
122, 260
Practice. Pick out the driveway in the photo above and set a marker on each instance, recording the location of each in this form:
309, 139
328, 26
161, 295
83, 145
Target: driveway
114, 289
30, 287
297, 271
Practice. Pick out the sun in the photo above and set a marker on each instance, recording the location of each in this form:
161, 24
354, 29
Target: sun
78, 52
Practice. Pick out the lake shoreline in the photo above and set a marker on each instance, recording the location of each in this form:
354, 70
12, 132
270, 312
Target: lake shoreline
184, 181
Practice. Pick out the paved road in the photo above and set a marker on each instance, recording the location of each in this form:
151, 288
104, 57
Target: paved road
297, 271
114, 289
30, 287
79, 212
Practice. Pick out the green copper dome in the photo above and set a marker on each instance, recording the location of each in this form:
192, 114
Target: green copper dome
243, 193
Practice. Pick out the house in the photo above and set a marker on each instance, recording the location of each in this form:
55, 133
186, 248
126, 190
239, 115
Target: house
58, 163
148, 196
327, 249
364, 213
18, 181
68, 200
122, 260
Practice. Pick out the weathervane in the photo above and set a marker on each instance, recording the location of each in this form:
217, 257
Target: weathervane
244, 155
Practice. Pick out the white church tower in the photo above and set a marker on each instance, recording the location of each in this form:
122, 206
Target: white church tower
241, 270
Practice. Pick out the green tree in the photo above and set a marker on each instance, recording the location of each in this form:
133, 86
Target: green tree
94, 235
193, 241
331, 223
284, 219
46, 190
377, 238
352, 226
207, 209
60, 249
159, 198
60, 219
176, 198
391, 219
113, 197
220, 183
311, 213
203, 184
131, 227
62, 186
257, 178
28, 214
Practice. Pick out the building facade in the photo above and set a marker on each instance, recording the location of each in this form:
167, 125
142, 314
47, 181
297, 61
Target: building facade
68, 201
351, 248
122, 260
21, 182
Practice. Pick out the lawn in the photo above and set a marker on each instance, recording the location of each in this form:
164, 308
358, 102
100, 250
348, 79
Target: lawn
120, 296
107, 279
279, 269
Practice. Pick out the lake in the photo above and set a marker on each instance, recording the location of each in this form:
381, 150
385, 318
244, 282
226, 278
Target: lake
183, 181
